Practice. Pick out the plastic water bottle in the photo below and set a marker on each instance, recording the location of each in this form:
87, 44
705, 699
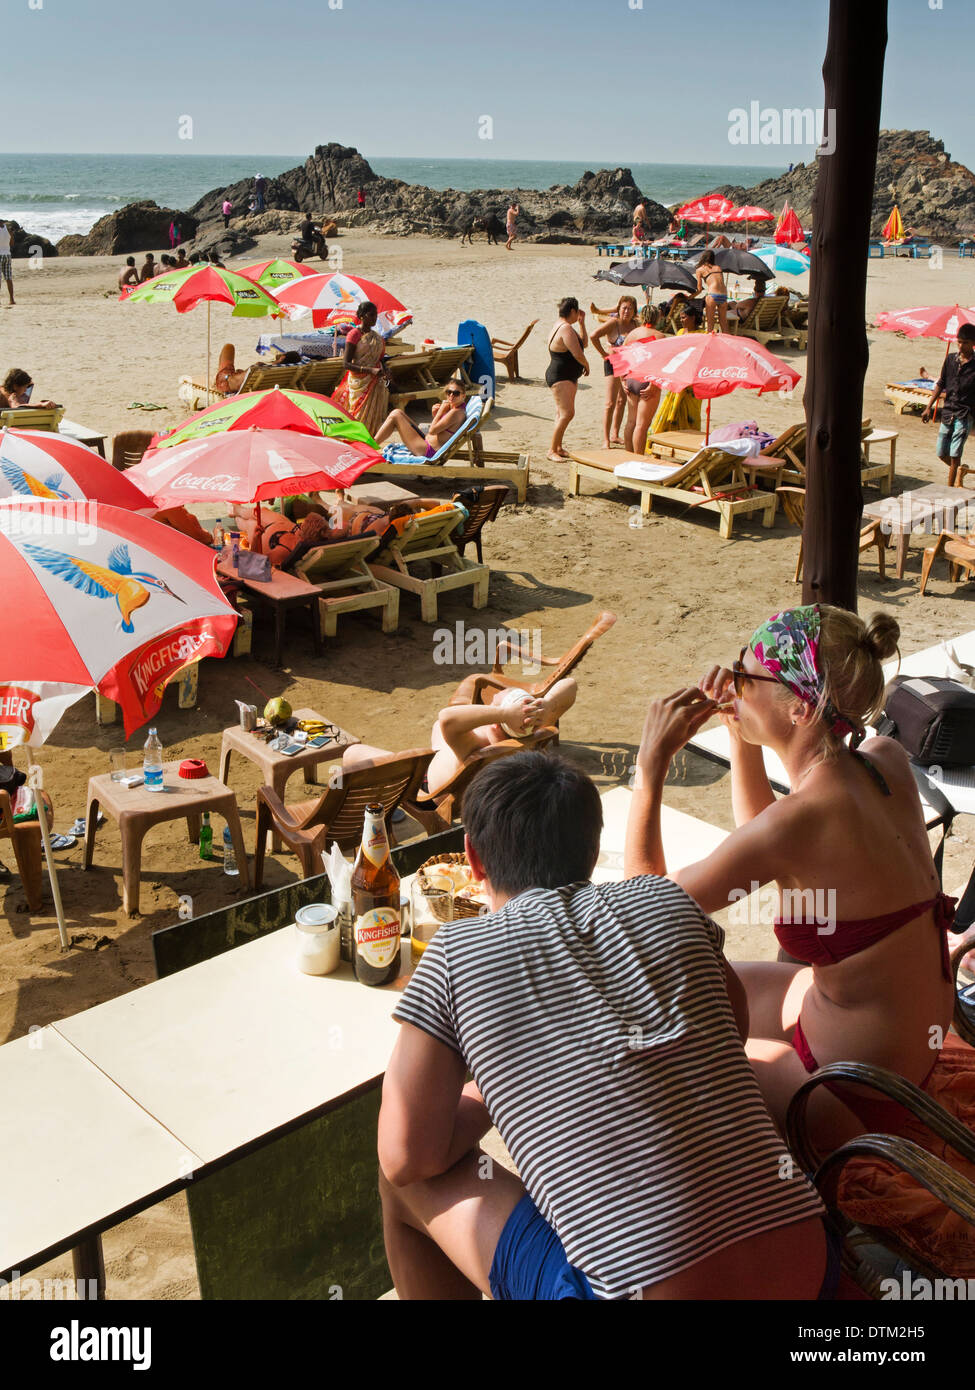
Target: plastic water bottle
152, 763
229, 858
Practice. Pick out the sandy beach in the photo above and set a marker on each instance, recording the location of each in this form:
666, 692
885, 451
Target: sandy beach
685, 599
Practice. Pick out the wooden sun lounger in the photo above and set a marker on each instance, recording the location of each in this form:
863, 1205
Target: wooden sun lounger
346, 584
40, 417
467, 460
903, 397
419, 376
764, 322
712, 479
428, 539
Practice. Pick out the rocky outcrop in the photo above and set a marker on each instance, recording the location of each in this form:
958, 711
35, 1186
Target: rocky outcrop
136, 227
600, 204
936, 196
227, 242
24, 244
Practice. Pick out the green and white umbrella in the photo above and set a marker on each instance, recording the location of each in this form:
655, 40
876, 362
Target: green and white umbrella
277, 409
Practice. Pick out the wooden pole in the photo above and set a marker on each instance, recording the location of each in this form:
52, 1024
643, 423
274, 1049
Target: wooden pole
837, 358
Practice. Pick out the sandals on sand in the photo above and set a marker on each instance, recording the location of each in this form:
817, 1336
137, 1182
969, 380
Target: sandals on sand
63, 841
79, 826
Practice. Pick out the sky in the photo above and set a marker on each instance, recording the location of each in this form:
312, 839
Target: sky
605, 82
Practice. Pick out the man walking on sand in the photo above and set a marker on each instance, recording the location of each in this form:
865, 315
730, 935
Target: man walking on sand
957, 384
510, 220
6, 264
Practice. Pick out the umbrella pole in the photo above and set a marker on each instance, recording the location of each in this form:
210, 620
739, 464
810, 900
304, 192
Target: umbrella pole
207, 382
707, 424
52, 872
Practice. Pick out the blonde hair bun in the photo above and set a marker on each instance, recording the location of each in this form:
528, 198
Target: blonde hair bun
882, 633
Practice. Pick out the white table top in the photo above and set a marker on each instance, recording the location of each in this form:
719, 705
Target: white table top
80, 432
76, 1149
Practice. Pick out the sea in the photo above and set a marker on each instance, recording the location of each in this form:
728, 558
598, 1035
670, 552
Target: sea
53, 195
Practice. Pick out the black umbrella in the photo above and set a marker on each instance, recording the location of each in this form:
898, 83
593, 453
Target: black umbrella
737, 262
664, 275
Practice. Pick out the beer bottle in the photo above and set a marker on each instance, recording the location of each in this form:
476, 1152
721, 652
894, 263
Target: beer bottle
375, 905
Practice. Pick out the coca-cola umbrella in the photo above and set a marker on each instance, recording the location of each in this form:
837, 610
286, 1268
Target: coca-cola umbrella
933, 321
106, 600
42, 464
707, 210
250, 465
709, 364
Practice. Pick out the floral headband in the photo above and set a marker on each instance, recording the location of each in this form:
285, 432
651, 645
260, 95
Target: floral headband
788, 647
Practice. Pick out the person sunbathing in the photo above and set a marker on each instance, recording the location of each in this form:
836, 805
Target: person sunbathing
461, 730
602, 1027
17, 392
448, 417
861, 916
228, 379
745, 306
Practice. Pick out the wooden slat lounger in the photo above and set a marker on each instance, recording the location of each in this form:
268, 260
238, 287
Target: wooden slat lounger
464, 457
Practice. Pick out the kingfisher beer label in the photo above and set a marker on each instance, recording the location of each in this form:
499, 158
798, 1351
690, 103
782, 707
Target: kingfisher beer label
16, 715
377, 936
375, 846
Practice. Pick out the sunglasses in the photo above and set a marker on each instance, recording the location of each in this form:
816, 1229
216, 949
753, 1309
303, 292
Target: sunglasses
739, 675
453, 393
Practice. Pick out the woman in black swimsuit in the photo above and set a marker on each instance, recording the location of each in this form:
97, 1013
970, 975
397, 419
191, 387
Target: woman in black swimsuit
567, 363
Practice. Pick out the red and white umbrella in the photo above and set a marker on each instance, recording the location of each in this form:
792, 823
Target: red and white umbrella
713, 209
788, 229
335, 299
250, 465
709, 364
106, 600
751, 214
933, 321
44, 465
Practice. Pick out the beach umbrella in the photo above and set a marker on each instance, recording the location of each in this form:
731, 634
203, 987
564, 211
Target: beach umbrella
277, 409
788, 228
781, 259
735, 261
208, 284
750, 213
250, 465
106, 600
273, 274
707, 210
709, 364
894, 226
933, 321
45, 465
661, 274
335, 299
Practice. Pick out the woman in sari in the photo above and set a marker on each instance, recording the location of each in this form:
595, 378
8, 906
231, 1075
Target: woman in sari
680, 410
363, 392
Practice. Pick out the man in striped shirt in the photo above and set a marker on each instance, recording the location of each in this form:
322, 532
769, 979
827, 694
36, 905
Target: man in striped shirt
603, 1029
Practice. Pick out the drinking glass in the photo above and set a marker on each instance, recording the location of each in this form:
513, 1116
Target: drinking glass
118, 758
430, 906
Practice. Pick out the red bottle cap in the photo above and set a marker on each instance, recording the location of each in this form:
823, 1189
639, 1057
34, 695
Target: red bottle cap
193, 767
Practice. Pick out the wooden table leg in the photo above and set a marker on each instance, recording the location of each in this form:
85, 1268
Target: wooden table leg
903, 539
193, 823
225, 752
91, 825
278, 632
316, 626
89, 1269
131, 865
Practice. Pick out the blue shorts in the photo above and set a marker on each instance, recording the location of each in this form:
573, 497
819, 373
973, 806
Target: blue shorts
951, 438
530, 1264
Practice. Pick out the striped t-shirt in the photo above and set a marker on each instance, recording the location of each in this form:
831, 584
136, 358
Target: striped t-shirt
597, 1025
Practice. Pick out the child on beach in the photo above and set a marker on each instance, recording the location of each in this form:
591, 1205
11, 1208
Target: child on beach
957, 384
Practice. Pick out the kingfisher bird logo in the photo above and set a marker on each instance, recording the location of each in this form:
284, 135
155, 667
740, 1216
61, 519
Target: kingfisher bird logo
28, 486
129, 589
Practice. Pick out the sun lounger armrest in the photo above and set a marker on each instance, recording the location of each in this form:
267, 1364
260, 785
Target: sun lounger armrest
6, 814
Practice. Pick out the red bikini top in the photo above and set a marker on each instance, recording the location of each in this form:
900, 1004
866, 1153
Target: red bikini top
810, 942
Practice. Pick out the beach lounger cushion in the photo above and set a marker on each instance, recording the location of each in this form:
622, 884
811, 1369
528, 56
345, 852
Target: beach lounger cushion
401, 455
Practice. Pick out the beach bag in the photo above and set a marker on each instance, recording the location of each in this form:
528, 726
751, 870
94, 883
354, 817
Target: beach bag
932, 718
11, 778
253, 566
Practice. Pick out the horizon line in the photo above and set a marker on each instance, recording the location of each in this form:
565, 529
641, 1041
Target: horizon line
470, 159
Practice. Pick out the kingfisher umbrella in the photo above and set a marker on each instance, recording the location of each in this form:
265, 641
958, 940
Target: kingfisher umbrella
781, 259
709, 364
933, 321
335, 299
208, 284
712, 209
662, 274
273, 274
894, 226
42, 464
277, 409
250, 465
106, 600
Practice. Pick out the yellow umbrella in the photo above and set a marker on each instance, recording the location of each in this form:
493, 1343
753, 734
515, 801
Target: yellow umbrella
894, 226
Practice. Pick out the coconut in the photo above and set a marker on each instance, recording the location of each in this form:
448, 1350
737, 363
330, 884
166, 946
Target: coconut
277, 711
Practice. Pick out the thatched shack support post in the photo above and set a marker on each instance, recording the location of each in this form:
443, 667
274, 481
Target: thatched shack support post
837, 356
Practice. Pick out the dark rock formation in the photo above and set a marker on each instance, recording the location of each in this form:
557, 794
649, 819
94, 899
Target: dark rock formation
935, 195
24, 244
328, 182
136, 227
227, 242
